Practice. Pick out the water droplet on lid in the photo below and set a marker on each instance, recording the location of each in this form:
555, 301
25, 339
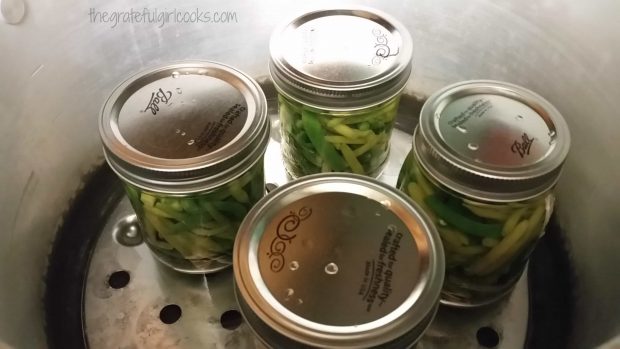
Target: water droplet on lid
182, 133
175, 74
177, 131
461, 129
386, 203
378, 214
300, 301
13, 11
294, 265
179, 91
290, 292
190, 142
472, 146
392, 228
442, 222
331, 268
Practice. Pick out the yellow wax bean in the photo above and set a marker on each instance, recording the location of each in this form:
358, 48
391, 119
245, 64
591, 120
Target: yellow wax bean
536, 220
512, 221
423, 182
238, 193
415, 192
349, 132
488, 212
490, 242
342, 139
452, 240
502, 251
351, 160
457, 235
335, 121
372, 139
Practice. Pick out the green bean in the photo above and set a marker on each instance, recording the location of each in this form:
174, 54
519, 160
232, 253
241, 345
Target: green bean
315, 132
498, 255
365, 133
201, 225
462, 222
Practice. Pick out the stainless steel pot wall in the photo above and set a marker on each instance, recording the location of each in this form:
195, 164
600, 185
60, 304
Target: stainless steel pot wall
60, 62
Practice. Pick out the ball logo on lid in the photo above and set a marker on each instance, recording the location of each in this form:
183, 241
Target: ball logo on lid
523, 148
156, 97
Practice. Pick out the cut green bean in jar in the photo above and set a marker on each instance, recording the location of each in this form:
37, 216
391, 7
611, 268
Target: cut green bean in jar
198, 227
191, 169
322, 141
485, 158
337, 103
485, 243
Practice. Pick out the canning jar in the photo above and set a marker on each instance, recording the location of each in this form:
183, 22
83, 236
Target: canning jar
187, 139
338, 261
339, 74
486, 156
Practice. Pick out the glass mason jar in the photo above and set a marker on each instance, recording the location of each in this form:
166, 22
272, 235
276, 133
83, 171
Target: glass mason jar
187, 140
339, 90
338, 260
486, 156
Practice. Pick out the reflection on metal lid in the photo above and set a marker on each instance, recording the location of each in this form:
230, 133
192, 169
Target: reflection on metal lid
338, 260
182, 116
182, 122
492, 139
341, 57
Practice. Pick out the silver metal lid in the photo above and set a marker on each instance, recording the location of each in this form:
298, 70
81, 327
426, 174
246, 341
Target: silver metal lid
491, 140
339, 260
341, 58
184, 127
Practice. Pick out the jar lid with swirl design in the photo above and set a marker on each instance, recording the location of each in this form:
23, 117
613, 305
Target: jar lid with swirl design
350, 58
338, 261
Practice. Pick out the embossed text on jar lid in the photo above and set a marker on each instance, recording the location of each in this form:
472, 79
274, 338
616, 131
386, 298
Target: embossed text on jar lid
341, 58
339, 260
491, 136
183, 122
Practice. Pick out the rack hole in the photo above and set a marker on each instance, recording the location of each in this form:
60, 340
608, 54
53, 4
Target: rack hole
487, 337
118, 279
231, 319
170, 314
